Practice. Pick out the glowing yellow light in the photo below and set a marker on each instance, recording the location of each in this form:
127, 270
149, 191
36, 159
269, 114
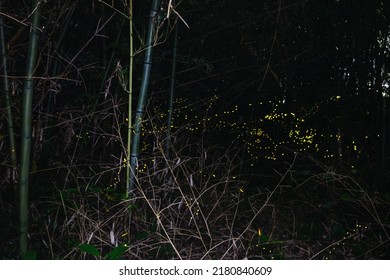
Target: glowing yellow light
259, 231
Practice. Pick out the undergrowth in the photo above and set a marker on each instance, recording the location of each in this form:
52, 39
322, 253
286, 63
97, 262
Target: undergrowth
201, 202
196, 206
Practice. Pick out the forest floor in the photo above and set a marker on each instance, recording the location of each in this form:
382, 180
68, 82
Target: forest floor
208, 207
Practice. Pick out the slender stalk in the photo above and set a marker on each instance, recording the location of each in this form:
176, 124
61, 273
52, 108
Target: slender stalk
64, 28
7, 99
172, 91
130, 112
384, 131
26, 128
142, 97
57, 49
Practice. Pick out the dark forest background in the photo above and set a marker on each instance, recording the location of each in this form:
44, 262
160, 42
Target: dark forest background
278, 146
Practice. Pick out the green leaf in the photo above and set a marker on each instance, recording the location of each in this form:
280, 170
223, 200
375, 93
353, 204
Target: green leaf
141, 235
263, 238
338, 230
328, 205
116, 253
346, 196
387, 196
30, 255
132, 207
34, 167
90, 249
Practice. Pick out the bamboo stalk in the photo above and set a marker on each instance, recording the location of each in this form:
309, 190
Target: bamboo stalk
130, 112
26, 129
7, 99
142, 96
